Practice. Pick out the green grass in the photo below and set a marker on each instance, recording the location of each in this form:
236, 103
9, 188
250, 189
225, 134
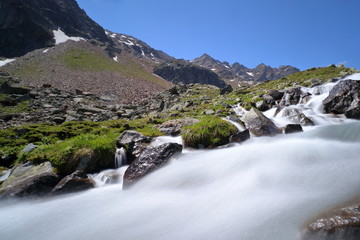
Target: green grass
80, 59
209, 132
303, 78
65, 143
21, 107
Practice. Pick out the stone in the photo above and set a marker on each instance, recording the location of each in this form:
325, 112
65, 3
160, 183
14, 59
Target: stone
134, 142
29, 148
227, 89
149, 160
58, 120
29, 180
292, 128
344, 99
259, 124
75, 182
275, 94
305, 121
337, 224
240, 136
209, 112
173, 127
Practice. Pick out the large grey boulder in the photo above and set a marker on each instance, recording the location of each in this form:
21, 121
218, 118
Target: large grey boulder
344, 99
149, 160
338, 224
259, 124
29, 180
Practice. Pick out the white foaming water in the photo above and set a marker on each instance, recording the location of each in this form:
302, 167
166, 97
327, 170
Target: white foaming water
120, 157
263, 189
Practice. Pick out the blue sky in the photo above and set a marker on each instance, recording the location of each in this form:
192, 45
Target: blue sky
302, 33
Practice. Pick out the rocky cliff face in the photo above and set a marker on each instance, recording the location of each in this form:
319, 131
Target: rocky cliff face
26, 25
237, 72
181, 71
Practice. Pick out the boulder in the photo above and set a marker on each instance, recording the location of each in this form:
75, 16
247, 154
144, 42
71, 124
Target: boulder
149, 160
275, 94
292, 96
344, 99
259, 124
338, 224
134, 143
173, 127
13, 88
227, 89
292, 128
305, 121
240, 136
29, 180
75, 182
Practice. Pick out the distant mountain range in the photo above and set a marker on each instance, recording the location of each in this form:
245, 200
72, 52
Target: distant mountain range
101, 61
238, 72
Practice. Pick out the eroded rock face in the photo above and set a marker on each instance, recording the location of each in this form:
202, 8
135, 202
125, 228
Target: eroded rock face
181, 71
29, 180
75, 182
26, 25
259, 124
149, 160
344, 99
341, 224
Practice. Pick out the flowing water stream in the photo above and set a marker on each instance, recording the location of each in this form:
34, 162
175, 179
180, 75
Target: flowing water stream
263, 189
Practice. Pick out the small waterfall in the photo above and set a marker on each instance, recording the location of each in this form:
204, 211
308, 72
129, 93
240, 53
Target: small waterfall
113, 176
120, 157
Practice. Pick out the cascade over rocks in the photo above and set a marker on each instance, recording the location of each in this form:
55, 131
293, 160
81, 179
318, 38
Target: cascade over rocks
29, 180
259, 124
150, 159
75, 182
134, 143
344, 99
340, 224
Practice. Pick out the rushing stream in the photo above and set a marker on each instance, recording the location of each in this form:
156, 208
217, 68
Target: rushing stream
263, 189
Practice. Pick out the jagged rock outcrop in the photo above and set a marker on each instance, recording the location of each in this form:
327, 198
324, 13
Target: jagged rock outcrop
259, 124
149, 160
183, 72
344, 99
26, 25
29, 180
339, 224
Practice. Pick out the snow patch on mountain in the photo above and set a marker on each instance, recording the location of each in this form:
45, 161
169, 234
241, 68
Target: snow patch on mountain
61, 37
6, 61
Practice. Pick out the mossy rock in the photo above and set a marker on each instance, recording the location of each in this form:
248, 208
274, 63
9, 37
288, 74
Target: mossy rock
208, 133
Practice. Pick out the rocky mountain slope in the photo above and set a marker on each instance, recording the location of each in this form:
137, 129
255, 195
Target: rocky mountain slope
26, 25
236, 73
184, 72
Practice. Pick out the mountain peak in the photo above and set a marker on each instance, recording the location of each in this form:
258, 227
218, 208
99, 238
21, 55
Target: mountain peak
35, 21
